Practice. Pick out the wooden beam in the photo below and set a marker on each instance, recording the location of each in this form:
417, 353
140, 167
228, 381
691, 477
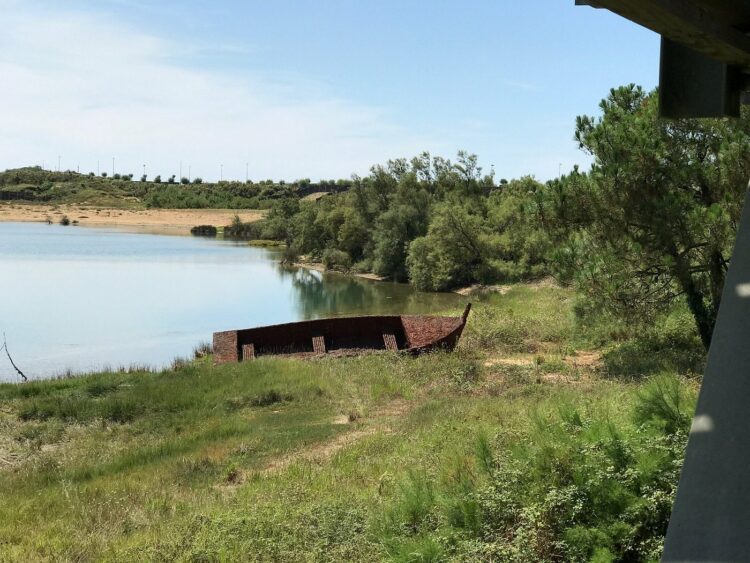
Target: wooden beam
684, 21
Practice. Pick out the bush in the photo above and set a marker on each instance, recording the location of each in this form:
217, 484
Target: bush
144, 178
198, 180
171, 179
204, 231
334, 259
64, 221
244, 231
184, 180
579, 486
157, 179
669, 343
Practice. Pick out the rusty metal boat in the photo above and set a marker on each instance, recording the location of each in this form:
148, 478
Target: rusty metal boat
341, 336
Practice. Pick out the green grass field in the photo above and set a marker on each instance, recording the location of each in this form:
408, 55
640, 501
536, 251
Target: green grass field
517, 447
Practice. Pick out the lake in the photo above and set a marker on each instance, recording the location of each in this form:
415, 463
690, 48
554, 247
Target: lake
84, 299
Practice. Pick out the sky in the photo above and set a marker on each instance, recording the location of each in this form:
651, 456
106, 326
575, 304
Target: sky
288, 89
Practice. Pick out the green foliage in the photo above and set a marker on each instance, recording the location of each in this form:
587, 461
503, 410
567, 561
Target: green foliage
442, 457
654, 219
336, 259
426, 220
576, 488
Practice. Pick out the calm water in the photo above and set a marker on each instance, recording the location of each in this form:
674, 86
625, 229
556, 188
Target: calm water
82, 298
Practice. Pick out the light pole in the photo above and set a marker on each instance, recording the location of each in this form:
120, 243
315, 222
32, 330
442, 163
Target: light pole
190, 175
113, 166
144, 170
221, 176
246, 174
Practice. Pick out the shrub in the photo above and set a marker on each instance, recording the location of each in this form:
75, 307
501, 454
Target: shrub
204, 231
157, 179
171, 179
198, 180
144, 178
184, 180
202, 350
665, 402
64, 221
104, 174
334, 259
579, 486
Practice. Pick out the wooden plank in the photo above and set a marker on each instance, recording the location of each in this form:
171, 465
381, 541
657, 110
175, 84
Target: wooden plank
700, 28
390, 341
319, 344
248, 352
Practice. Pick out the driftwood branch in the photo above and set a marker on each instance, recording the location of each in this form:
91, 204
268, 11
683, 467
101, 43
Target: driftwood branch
7, 353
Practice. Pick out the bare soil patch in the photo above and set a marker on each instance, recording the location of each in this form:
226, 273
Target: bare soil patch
168, 221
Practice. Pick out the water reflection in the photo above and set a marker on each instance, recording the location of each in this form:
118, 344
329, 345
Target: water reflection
81, 299
319, 295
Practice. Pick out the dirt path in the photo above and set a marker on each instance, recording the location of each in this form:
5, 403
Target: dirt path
381, 419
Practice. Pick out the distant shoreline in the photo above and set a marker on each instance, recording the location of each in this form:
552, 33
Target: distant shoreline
175, 221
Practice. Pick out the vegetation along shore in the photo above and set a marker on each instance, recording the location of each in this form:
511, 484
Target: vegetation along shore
555, 432
537, 440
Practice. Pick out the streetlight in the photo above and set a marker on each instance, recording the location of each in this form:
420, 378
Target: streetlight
221, 177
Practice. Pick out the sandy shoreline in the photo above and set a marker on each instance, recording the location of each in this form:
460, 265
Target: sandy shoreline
176, 221
318, 267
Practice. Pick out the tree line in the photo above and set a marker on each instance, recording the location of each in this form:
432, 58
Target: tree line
651, 223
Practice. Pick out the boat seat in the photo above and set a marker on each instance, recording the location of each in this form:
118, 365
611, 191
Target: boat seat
248, 352
390, 341
319, 344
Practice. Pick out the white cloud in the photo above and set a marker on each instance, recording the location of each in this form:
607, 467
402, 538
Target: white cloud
85, 88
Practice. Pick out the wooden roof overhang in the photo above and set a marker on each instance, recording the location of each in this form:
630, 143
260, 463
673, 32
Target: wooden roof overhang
705, 51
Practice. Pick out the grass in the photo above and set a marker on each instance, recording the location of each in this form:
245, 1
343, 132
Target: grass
441, 457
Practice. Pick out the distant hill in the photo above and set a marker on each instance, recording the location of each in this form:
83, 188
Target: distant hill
34, 185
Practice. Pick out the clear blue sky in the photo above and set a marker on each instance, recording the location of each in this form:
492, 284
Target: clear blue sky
308, 88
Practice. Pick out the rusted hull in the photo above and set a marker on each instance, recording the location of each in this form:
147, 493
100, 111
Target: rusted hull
412, 334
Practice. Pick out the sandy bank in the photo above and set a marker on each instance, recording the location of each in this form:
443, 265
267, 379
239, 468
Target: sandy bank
177, 221
318, 267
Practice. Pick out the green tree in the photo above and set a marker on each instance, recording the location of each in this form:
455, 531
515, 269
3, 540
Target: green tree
655, 218
453, 253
